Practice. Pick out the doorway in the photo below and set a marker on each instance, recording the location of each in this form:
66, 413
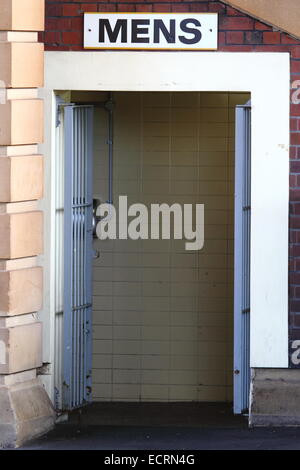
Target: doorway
110, 71
163, 316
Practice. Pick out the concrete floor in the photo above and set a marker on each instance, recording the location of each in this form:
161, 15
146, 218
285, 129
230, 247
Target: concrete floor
130, 426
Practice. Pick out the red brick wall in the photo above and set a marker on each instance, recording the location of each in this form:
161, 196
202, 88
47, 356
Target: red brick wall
237, 32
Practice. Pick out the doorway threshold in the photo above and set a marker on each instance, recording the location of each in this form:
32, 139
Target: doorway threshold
177, 414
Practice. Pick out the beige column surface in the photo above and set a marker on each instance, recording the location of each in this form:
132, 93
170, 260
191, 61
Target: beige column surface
22, 64
21, 235
23, 349
22, 15
13, 285
21, 178
21, 122
25, 408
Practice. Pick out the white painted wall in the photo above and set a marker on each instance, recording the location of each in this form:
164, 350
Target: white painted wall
266, 76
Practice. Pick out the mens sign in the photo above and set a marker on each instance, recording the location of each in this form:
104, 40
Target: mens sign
175, 31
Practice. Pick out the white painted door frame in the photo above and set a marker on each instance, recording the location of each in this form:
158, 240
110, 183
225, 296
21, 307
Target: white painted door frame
267, 77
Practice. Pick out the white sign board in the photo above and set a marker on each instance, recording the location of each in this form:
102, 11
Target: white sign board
177, 31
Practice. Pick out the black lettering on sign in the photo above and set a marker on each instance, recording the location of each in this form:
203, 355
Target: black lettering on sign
121, 25
136, 30
186, 29
169, 34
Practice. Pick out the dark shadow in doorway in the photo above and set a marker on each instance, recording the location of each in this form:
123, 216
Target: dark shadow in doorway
216, 415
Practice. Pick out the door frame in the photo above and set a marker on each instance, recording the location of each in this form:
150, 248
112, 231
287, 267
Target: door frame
242, 229
215, 72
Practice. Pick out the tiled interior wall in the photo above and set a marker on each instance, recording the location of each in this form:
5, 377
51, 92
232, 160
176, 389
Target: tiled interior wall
163, 316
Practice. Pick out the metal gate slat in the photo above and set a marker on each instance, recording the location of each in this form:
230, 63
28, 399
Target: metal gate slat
78, 255
242, 259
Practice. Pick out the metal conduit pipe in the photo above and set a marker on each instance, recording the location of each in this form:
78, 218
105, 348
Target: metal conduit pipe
109, 106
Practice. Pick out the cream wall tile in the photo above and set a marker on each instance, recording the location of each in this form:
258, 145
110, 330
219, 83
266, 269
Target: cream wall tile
128, 376
103, 376
155, 333
180, 188
102, 332
102, 392
158, 114
185, 158
156, 303
183, 377
206, 393
154, 377
157, 348
163, 317
184, 333
127, 347
214, 100
154, 392
127, 391
184, 114
127, 274
127, 303
155, 260
181, 363
130, 289
184, 99
219, 129
214, 115
183, 173
102, 361
102, 317
126, 361
184, 319
151, 99
150, 362
155, 173
184, 144
156, 129
102, 303
103, 288
155, 274
183, 393
156, 289
184, 129
157, 318
127, 317
126, 332
102, 346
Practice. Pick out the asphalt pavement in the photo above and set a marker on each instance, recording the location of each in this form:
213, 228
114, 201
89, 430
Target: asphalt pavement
160, 426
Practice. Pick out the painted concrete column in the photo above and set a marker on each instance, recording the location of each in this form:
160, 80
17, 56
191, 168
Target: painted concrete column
25, 409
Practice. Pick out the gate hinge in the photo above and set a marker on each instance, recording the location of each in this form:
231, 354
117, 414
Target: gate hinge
246, 208
59, 103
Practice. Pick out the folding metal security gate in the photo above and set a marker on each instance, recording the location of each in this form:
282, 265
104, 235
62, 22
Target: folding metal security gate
242, 259
78, 254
